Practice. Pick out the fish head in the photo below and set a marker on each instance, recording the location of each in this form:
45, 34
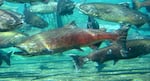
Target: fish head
88, 9
13, 24
28, 47
40, 23
10, 20
33, 47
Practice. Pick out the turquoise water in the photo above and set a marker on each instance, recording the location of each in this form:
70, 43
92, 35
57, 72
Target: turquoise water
59, 67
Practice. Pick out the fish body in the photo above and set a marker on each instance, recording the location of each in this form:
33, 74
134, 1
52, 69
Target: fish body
62, 39
25, 1
11, 38
4, 57
93, 24
9, 20
135, 48
42, 8
33, 19
114, 13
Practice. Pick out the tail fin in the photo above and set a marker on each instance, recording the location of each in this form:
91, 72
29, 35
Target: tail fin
79, 61
5, 57
136, 4
123, 32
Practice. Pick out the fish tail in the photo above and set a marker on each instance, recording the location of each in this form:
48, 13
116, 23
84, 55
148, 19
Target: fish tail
7, 58
79, 61
136, 4
123, 32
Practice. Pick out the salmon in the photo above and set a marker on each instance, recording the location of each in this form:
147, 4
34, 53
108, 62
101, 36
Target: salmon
135, 48
62, 39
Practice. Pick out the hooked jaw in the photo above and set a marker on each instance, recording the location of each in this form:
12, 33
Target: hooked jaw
22, 51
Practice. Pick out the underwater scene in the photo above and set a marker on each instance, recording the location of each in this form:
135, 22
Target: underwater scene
74, 40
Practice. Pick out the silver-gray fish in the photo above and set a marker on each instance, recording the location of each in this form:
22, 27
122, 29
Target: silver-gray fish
9, 20
114, 13
42, 8
11, 38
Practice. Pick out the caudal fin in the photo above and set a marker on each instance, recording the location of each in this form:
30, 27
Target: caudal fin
5, 57
123, 32
78, 61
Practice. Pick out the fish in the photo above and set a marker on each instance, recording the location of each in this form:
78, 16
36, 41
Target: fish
11, 38
93, 24
5, 57
9, 20
62, 39
26, 1
135, 48
42, 8
65, 7
114, 13
33, 19
137, 4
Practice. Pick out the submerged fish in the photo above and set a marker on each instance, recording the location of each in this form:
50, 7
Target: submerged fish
138, 5
135, 48
114, 13
4, 57
93, 24
42, 8
26, 1
33, 19
11, 38
62, 39
9, 20
65, 7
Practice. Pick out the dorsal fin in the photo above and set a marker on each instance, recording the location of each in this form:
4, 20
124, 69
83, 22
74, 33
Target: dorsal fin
125, 4
73, 23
